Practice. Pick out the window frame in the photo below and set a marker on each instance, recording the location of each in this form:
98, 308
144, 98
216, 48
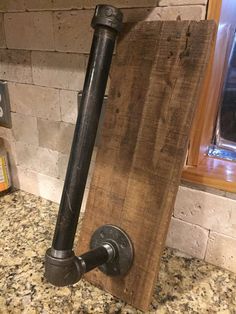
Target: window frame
200, 168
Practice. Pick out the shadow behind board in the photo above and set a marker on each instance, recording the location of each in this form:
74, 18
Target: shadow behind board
155, 81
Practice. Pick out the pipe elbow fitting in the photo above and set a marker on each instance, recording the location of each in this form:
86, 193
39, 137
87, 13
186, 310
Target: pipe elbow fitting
63, 269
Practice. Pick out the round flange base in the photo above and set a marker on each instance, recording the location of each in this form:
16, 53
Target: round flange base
122, 261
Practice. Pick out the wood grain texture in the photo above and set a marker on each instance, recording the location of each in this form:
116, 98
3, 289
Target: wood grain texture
214, 10
216, 173
155, 82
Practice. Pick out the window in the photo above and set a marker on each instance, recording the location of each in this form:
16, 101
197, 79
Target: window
201, 168
225, 134
224, 139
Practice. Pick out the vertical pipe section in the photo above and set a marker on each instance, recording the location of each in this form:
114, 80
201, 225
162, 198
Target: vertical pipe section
107, 22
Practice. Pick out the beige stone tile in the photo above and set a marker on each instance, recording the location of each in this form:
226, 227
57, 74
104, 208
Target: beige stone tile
55, 135
72, 30
208, 210
188, 12
121, 3
50, 188
15, 65
36, 158
35, 101
69, 106
62, 165
188, 238
180, 2
25, 128
36, 5
60, 70
221, 251
12, 5
6, 134
34, 30
141, 14
69, 4
196, 12
80, 4
25, 180
2, 32
38, 184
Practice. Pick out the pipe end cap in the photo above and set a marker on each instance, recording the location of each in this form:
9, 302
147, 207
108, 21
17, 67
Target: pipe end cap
109, 16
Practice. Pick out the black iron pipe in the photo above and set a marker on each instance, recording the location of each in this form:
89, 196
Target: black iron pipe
112, 250
98, 256
107, 22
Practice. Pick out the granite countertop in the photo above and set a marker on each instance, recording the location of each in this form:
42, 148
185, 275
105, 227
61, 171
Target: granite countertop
186, 285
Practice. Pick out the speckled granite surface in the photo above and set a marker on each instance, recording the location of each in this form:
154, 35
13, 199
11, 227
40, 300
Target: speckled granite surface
185, 285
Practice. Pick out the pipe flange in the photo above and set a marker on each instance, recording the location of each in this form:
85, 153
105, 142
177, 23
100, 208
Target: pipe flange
122, 261
109, 16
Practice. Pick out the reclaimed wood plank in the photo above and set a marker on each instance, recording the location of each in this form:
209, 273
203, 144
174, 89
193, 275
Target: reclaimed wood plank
155, 81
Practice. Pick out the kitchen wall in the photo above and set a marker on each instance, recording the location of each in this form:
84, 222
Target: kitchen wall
44, 51
44, 47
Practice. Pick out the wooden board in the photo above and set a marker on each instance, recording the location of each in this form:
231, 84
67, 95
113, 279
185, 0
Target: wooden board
155, 82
